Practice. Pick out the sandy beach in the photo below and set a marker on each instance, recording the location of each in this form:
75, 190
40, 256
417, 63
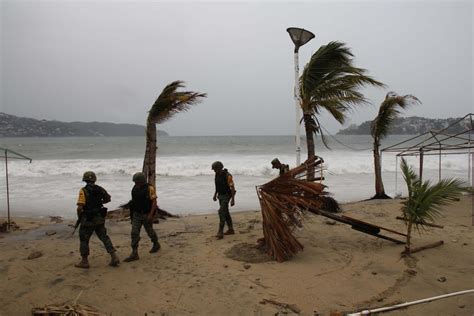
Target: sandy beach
339, 270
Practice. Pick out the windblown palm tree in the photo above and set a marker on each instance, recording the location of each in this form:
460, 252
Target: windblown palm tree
380, 127
168, 104
425, 200
330, 82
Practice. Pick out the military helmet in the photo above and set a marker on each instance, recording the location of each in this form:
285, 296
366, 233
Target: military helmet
89, 176
217, 165
275, 161
139, 177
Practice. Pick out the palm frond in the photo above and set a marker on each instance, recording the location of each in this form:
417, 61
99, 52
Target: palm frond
389, 111
324, 61
331, 82
171, 101
425, 200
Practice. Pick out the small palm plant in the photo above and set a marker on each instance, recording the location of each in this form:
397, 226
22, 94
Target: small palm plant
388, 112
168, 104
425, 200
330, 82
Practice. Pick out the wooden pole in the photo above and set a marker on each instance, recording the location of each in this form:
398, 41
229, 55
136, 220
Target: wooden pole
396, 174
439, 164
421, 164
8, 193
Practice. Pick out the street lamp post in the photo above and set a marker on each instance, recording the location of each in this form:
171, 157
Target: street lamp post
299, 38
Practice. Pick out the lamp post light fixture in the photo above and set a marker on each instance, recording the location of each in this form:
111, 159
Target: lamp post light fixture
299, 38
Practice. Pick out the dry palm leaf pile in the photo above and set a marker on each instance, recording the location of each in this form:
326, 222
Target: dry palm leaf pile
284, 201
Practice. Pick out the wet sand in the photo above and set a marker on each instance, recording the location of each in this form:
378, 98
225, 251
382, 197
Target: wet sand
340, 269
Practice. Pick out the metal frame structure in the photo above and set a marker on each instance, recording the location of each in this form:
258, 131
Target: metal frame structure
13, 155
439, 143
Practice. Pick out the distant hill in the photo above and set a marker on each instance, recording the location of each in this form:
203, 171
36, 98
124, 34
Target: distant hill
14, 126
413, 125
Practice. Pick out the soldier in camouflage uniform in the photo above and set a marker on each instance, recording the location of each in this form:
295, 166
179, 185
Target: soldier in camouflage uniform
276, 164
142, 209
225, 192
91, 214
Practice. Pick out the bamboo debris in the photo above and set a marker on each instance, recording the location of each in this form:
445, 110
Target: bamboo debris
284, 200
66, 309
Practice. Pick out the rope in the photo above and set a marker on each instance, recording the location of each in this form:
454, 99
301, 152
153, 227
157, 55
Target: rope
341, 143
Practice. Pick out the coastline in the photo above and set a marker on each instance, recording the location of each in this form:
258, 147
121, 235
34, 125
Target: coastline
339, 270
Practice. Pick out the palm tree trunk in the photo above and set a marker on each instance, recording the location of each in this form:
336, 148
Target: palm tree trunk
149, 162
379, 189
408, 244
309, 129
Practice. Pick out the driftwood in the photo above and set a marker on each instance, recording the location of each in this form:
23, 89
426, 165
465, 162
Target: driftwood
291, 307
66, 309
426, 224
429, 246
69, 309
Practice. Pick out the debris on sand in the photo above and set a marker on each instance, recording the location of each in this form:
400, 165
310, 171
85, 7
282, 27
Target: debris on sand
66, 309
284, 201
4, 226
56, 219
291, 307
35, 255
247, 253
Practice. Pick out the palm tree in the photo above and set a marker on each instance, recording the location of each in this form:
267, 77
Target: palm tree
330, 82
425, 200
168, 104
380, 127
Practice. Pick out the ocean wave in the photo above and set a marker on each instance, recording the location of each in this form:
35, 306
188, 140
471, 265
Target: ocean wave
192, 166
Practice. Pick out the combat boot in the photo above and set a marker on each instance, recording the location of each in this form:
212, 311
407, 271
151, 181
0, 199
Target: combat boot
84, 263
230, 231
114, 260
220, 235
156, 247
133, 256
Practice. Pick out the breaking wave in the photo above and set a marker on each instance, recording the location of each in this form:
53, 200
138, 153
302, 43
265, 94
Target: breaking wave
192, 166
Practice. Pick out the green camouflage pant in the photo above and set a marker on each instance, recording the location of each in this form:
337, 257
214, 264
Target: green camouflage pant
224, 215
138, 220
85, 232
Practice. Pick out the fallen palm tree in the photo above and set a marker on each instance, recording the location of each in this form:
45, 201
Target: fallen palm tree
285, 200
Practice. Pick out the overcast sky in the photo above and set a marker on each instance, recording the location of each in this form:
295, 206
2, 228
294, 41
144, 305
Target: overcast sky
109, 60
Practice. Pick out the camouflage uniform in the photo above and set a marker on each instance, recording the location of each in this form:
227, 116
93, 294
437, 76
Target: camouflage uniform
224, 214
138, 220
88, 227
224, 192
141, 206
94, 222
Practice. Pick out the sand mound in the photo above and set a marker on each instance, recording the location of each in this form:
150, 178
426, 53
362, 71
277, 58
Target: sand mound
247, 253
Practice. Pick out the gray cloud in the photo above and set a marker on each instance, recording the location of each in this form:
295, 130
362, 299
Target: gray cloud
108, 61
